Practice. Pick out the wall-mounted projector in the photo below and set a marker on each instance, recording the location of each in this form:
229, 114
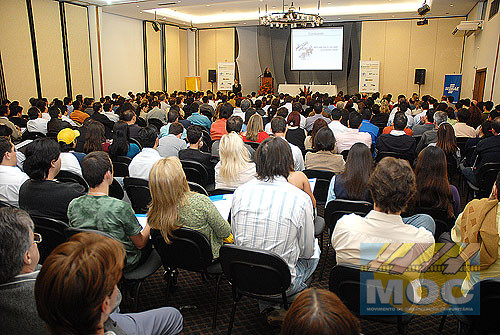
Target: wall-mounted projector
468, 27
424, 9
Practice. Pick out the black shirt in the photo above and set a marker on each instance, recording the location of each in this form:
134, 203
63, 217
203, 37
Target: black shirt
200, 157
18, 121
402, 144
108, 124
48, 198
296, 137
56, 125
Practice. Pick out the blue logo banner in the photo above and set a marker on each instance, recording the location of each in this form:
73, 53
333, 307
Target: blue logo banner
452, 85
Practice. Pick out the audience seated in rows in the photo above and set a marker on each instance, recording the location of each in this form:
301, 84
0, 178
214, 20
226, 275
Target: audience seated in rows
278, 127
173, 205
428, 123
36, 124
15, 115
461, 128
198, 119
431, 136
318, 109
76, 292
171, 144
294, 134
336, 126
173, 117
255, 130
397, 140
4, 120
233, 124
97, 210
130, 119
41, 194
324, 159
95, 137
55, 125
11, 176
141, 164
121, 144
352, 135
367, 126
218, 128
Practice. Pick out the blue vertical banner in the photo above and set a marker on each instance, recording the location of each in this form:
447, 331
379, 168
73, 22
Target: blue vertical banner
452, 85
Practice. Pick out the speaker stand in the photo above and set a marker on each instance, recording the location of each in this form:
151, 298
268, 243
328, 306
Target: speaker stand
419, 90
214, 92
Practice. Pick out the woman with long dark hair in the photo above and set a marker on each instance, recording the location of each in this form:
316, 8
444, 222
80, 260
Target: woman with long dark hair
448, 142
309, 141
121, 145
476, 117
352, 184
433, 188
295, 134
95, 138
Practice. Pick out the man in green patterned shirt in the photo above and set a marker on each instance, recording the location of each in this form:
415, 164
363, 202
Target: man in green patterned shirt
98, 211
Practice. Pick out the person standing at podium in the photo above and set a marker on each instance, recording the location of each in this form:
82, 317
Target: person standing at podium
267, 73
236, 87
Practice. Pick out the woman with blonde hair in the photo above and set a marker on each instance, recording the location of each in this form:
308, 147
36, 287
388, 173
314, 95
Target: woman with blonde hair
234, 167
173, 205
255, 130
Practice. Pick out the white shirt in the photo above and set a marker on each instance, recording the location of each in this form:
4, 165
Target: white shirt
70, 163
112, 116
11, 179
143, 162
351, 136
67, 119
298, 159
267, 128
164, 106
417, 118
336, 127
46, 116
37, 125
288, 106
274, 216
410, 118
244, 176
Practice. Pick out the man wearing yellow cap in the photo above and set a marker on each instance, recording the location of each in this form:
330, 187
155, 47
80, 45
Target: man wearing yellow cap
70, 160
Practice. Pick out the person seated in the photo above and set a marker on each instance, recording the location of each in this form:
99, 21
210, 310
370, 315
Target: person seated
352, 134
235, 167
179, 207
233, 124
121, 145
431, 136
324, 158
478, 226
130, 119
218, 128
433, 188
269, 213
193, 153
294, 134
100, 117
156, 112
76, 292
448, 142
70, 160
55, 125
278, 126
97, 210
367, 126
4, 120
110, 114
483, 132
141, 164
352, 184
255, 130
172, 117
78, 115
198, 119
336, 125
19, 268
397, 140
171, 144
36, 124
391, 185
42, 195
11, 176
318, 109
15, 116
428, 123
320, 312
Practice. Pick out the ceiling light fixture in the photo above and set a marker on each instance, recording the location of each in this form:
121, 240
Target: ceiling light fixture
291, 18
424, 9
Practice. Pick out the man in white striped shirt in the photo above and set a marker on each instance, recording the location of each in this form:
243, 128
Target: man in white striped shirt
268, 213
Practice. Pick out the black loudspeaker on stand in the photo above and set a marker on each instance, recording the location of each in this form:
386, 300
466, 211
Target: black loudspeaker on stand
212, 77
419, 78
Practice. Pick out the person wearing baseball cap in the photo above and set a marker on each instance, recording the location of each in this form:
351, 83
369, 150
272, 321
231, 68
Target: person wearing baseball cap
70, 160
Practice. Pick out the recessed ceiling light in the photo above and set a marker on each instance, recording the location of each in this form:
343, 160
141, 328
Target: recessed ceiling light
137, 6
393, 15
274, 6
207, 5
140, 12
244, 23
338, 18
451, 5
329, 3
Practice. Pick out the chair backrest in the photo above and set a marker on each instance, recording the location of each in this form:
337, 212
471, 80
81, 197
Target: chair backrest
323, 179
197, 188
31, 135
70, 177
207, 141
70, 231
219, 191
195, 172
120, 166
254, 271
339, 207
189, 249
461, 142
52, 134
116, 190
133, 140
254, 145
5, 204
344, 154
487, 322
52, 232
486, 177
443, 222
400, 155
138, 193
156, 123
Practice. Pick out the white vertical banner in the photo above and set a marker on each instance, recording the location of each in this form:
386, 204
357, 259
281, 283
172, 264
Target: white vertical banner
225, 76
369, 71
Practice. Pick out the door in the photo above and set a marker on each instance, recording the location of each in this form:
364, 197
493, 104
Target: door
479, 85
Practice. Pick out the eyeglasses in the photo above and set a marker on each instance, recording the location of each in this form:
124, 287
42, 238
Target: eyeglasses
37, 238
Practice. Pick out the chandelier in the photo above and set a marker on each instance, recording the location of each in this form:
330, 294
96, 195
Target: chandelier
291, 18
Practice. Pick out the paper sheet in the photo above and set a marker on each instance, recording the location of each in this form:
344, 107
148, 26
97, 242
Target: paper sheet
223, 204
312, 183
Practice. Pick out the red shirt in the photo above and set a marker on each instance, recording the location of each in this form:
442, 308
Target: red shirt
261, 137
388, 129
218, 129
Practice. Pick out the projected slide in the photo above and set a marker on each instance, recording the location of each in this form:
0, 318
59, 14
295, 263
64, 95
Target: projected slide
317, 49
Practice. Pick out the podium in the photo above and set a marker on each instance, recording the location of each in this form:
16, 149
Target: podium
266, 85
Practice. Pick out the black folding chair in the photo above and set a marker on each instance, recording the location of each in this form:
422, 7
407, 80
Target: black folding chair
485, 178
336, 209
254, 145
254, 273
189, 250
197, 188
138, 193
344, 154
120, 166
346, 283
70, 177
444, 223
156, 123
116, 190
133, 140
219, 191
399, 155
5, 204
323, 179
52, 232
195, 172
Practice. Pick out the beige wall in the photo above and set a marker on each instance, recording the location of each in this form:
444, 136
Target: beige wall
77, 28
173, 49
401, 47
153, 39
17, 56
50, 48
183, 57
215, 46
480, 52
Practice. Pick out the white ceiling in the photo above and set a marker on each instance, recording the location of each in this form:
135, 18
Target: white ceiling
224, 13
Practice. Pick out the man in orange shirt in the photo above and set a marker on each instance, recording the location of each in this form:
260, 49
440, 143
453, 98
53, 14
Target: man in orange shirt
77, 115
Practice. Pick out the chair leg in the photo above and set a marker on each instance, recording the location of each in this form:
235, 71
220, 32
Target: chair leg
324, 262
136, 295
441, 324
402, 329
217, 284
231, 321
